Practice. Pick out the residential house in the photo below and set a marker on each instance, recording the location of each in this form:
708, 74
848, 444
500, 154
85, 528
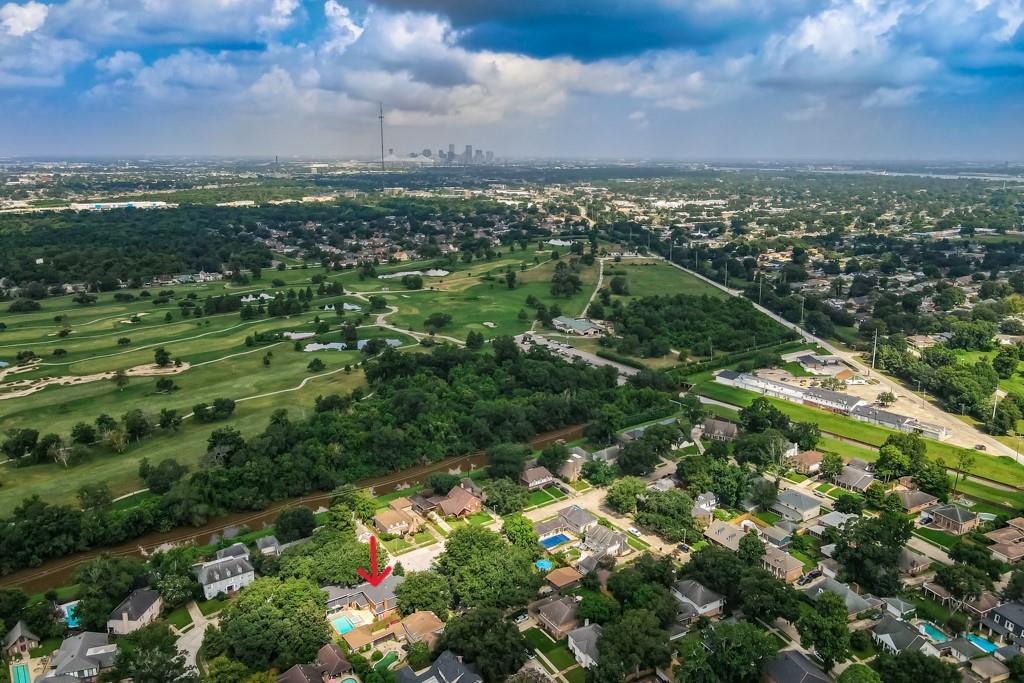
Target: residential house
779, 535
333, 661
302, 673
807, 462
796, 506
473, 487
140, 608
914, 500
724, 534
226, 576
534, 478
448, 668
558, 616
699, 599
582, 644
84, 657
899, 609
704, 506
980, 607
379, 599
1006, 621
609, 454
895, 636
662, 485
606, 541
855, 604
954, 519
420, 627
397, 519
792, 666
268, 545
20, 640
572, 469
460, 502
719, 430
1008, 542
232, 551
572, 519
989, 669
781, 564
854, 478
563, 578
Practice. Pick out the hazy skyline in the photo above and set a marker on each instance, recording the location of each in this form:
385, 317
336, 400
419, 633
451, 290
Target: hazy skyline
850, 79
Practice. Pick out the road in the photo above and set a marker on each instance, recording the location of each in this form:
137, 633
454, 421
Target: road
961, 434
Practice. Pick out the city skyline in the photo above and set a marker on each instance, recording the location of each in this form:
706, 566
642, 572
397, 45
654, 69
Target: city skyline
721, 79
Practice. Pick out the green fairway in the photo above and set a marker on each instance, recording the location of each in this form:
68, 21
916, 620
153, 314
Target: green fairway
649, 277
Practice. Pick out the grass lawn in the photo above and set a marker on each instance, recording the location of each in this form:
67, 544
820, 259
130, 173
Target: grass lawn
556, 652
577, 675
46, 647
537, 498
936, 537
208, 607
865, 652
769, 518
796, 477
397, 545
795, 369
824, 488
179, 618
555, 492
649, 277
1009, 500
581, 485
809, 564
479, 518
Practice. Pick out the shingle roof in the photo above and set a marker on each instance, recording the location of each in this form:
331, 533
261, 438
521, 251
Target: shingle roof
911, 499
796, 500
447, 668
88, 650
558, 612
794, 667
218, 570
136, 604
234, 550
904, 637
536, 474
954, 513
19, 630
585, 639
696, 592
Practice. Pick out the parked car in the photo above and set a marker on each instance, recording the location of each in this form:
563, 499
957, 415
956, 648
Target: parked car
980, 447
633, 530
521, 618
685, 548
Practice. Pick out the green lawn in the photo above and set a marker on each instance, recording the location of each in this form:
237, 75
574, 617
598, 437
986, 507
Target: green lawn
577, 675
479, 518
179, 618
809, 564
795, 477
46, 647
539, 497
769, 518
649, 277
557, 653
936, 537
208, 607
795, 369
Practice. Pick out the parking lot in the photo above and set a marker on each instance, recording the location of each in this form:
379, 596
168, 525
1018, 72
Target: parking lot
528, 339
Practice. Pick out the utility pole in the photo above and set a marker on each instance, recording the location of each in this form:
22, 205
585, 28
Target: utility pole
760, 284
874, 349
995, 402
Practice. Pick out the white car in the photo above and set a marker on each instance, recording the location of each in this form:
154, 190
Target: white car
633, 530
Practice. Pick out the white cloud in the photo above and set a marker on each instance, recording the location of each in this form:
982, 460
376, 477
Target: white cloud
19, 20
892, 97
342, 28
120, 62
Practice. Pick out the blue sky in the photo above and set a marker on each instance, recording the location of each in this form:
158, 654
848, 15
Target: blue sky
752, 79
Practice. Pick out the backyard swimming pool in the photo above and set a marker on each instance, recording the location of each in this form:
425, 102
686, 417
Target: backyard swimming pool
988, 646
554, 541
342, 625
21, 674
933, 632
545, 565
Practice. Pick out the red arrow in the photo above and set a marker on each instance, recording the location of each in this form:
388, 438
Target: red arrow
376, 577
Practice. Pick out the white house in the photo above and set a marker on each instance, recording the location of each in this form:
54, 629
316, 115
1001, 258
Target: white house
583, 644
226, 576
139, 609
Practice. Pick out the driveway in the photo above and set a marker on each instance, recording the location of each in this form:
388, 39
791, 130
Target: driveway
191, 641
420, 559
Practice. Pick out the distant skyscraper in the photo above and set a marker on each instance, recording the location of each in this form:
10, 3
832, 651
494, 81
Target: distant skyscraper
451, 152
468, 156
490, 156
441, 154
478, 156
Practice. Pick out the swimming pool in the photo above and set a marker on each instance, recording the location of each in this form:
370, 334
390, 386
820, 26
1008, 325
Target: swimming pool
69, 615
988, 646
342, 625
545, 565
933, 632
21, 674
554, 541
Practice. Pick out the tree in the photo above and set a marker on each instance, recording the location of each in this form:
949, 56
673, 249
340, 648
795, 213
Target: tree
849, 504
83, 433
553, 457
442, 482
427, 591
751, 549
474, 340
868, 549
486, 639
668, 514
316, 365
510, 279
765, 598
633, 643
519, 532
825, 629
275, 622
914, 667
806, 435
963, 581
761, 415
738, 652
623, 494
294, 523
437, 320
831, 466
151, 655
505, 496
161, 478
169, 419
886, 399
892, 463
638, 458
964, 463
693, 410
598, 472
162, 357
105, 581
1005, 361
507, 460
223, 670
484, 570
419, 656
764, 493
598, 608
120, 379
